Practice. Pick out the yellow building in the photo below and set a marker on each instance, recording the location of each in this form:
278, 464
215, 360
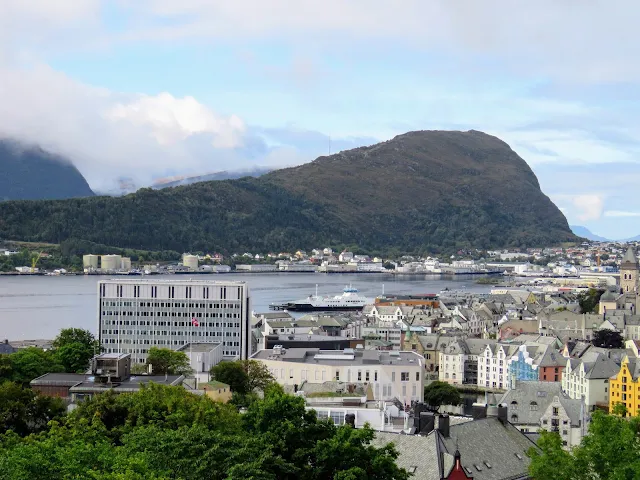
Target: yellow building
217, 391
625, 387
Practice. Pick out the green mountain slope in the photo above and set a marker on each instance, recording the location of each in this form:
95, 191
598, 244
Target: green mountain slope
30, 173
420, 191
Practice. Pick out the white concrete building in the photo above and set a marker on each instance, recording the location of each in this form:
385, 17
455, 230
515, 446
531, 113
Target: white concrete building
190, 261
203, 356
588, 377
135, 315
257, 267
392, 374
345, 256
110, 262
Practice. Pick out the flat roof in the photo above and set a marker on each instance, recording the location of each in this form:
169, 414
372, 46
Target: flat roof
164, 281
342, 357
81, 380
200, 347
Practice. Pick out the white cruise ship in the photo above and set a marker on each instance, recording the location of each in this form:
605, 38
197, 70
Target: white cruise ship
349, 300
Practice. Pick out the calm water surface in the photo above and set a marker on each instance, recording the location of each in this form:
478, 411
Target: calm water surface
38, 307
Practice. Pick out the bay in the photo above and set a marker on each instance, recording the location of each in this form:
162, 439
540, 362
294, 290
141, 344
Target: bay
37, 307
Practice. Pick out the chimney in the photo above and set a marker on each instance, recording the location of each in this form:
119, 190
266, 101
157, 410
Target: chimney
478, 411
350, 419
443, 425
502, 414
427, 423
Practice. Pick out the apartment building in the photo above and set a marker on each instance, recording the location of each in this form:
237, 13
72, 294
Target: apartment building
588, 377
392, 374
137, 314
493, 365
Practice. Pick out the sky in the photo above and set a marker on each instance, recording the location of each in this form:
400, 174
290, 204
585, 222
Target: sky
149, 89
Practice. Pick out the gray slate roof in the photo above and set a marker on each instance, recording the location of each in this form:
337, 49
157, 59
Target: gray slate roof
502, 447
542, 393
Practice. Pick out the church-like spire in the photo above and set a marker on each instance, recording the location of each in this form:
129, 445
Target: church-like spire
630, 258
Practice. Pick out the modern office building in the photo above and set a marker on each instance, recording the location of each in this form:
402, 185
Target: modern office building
137, 314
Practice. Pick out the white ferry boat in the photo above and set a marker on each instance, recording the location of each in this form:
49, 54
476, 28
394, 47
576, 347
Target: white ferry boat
349, 300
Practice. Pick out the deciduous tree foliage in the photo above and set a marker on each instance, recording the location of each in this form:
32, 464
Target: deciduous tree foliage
610, 451
165, 360
437, 394
166, 432
243, 376
23, 411
606, 338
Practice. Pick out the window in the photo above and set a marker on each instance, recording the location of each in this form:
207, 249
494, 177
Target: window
338, 375
393, 376
533, 406
514, 418
404, 376
514, 405
359, 375
417, 376
564, 432
366, 376
555, 411
375, 376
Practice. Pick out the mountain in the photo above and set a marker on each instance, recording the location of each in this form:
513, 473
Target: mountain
421, 191
584, 232
224, 175
30, 173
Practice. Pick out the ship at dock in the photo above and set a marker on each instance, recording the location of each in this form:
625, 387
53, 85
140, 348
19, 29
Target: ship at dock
350, 299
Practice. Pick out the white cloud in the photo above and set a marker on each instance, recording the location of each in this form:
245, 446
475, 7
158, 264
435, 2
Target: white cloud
620, 213
548, 37
173, 119
584, 207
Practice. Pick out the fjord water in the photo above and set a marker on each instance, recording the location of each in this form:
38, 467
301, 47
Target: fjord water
35, 307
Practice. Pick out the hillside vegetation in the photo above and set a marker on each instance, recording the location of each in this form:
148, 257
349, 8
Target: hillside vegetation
421, 191
30, 173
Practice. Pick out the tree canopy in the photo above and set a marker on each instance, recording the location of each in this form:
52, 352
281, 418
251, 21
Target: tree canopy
165, 432
243, 376
167, 361
588, 301
606, 338
75, 347
437, 394
610, 451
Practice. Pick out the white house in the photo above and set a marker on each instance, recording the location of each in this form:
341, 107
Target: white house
493, 366
588, 377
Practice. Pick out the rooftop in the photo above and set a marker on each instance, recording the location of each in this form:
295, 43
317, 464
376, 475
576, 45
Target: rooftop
200, 347
182, 281
80, 382
341, 357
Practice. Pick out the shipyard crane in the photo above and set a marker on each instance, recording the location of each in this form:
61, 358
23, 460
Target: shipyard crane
34, 262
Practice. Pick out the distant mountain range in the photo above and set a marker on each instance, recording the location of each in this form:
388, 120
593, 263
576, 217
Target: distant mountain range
223, 175
584, 232
426, 191
30, 173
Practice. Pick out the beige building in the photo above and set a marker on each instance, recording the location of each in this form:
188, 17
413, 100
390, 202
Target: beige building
90, 261
217, 391
392, 374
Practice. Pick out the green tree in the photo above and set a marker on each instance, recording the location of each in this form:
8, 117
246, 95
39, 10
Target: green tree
23, 411
29, 363
167, 361
74, 348
437, 394
610, 451
243, 376
589, 300
233, 374
606, 338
